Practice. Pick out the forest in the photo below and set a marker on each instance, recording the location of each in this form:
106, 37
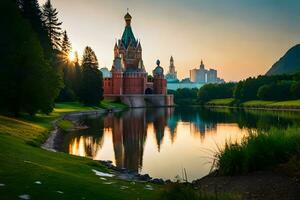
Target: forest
36, 70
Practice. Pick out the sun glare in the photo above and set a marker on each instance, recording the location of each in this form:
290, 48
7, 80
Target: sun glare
71, 56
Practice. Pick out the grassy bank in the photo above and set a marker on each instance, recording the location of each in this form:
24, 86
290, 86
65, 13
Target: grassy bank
112, 104
221, 102
28, 169
292, 104
272, 104
260, 151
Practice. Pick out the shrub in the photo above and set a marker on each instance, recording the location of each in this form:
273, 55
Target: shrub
259, 151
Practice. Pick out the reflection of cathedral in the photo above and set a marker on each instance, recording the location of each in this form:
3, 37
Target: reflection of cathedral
129, 135
128, 132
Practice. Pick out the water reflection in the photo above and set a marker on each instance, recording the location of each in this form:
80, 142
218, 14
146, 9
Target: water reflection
163, 141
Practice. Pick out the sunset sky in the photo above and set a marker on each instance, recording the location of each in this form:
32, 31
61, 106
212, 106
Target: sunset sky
238, 38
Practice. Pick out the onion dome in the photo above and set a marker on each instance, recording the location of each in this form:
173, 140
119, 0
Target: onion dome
128, 36
158, 71
127, 17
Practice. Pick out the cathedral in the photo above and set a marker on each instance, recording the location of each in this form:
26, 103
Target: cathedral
129, 80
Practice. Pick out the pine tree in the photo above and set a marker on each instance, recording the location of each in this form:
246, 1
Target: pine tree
30, 10
52, 24
27, 82
66, 44
91, 91
65, 47
67, 93
78, 75
90, 58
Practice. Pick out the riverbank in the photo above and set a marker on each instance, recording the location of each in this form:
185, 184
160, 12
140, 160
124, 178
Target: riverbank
262, 185
26, 170
256, 104
265, 165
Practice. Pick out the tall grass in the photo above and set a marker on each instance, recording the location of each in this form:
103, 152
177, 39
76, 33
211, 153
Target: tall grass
259, 151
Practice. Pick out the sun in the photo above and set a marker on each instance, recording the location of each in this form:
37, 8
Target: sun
72, 56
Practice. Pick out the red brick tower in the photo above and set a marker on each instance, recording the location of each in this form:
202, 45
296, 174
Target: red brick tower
159, 81
117, 76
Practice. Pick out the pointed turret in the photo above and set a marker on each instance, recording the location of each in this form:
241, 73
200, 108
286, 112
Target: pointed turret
127, 18
128, 36
171, 59
202, 65
141, 65
139, 46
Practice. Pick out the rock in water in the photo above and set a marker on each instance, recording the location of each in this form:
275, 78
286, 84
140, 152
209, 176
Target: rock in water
24, 196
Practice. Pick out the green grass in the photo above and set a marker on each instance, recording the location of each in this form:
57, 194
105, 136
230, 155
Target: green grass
270, 104
295, 103
257, 103
107, 104
65, 124
72, 107
221, 102
22, 164
259, 151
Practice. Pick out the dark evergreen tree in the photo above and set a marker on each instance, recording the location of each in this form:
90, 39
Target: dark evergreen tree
65, 47
27, 82
31, 11
52, 24
77, 75
91, 91
67, 93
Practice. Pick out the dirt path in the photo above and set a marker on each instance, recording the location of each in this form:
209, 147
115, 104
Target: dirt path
258, 186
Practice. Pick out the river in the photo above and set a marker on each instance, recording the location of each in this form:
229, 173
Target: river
163, 142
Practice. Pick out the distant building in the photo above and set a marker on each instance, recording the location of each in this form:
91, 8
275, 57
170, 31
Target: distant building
198, 77
212, 76
105, 72
203, 76
171, 76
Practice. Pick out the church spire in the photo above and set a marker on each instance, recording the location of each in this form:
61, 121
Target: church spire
128, 37
127, 18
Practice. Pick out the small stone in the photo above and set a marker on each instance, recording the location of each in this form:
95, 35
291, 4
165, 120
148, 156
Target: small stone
148, 187
145, 177
38, 182
108, 183
158, 181
24, 196
124, 187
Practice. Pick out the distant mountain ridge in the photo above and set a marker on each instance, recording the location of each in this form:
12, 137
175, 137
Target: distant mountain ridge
288, 64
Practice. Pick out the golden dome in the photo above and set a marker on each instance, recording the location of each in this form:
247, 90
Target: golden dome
127, 17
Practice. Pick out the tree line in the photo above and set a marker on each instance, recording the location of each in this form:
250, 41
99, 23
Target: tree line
35, 69
273, 88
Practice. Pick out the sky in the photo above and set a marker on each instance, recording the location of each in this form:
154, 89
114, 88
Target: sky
239, 38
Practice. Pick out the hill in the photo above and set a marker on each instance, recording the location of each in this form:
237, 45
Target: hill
288, 64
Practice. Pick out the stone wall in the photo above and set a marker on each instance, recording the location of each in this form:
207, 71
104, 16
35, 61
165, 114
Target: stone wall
141, 101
